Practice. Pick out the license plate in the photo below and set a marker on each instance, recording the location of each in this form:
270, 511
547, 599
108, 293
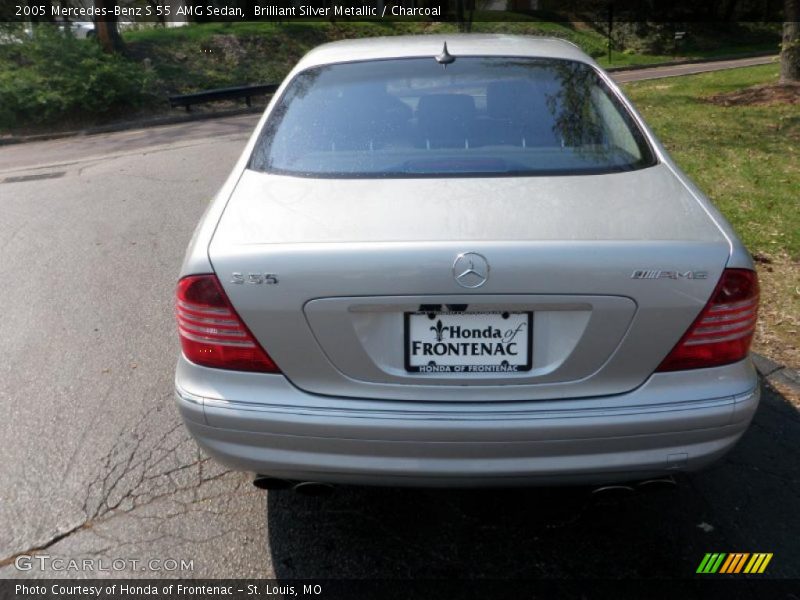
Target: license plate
468, 342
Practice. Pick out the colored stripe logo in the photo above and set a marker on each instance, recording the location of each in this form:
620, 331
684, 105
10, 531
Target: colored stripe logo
734, 562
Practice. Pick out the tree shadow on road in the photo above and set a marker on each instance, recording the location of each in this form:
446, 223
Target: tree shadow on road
747, 503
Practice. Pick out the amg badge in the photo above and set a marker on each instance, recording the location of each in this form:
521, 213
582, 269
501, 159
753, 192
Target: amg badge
254, 278
657, 274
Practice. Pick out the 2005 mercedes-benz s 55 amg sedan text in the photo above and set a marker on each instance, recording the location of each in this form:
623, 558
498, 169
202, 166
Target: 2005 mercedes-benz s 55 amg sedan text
462, 261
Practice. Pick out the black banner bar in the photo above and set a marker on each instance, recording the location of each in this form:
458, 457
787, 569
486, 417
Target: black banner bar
731, 588
458, 11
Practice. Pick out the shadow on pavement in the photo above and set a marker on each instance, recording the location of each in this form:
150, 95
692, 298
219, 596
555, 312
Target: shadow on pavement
748, 502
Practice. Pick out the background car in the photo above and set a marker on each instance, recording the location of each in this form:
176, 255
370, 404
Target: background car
80, 29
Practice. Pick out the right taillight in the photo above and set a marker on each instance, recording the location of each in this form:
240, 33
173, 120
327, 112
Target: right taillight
722, 332
212, 334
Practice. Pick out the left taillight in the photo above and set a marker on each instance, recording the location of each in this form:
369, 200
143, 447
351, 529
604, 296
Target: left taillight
211, 333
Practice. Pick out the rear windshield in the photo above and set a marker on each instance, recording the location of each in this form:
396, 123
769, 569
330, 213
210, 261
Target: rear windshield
479, 116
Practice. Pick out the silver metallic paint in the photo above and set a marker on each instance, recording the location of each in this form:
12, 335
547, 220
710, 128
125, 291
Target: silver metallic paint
560, 244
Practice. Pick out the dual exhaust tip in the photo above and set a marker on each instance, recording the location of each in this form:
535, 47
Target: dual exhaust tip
629, 489
306, 488
318, 488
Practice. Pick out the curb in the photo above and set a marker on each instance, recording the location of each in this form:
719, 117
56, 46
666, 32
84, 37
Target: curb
187, 118
777, 374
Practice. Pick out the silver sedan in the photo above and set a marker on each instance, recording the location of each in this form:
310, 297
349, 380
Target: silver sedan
462, 261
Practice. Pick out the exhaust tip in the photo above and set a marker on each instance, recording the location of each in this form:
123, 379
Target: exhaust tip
265, 482
612, 491
658, 484
313, 488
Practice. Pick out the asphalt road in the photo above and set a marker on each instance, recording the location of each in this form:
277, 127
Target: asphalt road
96, 462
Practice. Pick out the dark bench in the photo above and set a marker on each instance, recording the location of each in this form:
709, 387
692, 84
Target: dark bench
231, 93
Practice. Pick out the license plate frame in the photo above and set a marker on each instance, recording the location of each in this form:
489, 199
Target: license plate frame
479, 320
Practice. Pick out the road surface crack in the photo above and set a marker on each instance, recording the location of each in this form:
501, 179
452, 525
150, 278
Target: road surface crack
154, 462
4, 562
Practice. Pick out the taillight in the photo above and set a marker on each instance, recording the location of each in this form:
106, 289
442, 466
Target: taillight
722, 333
212, 334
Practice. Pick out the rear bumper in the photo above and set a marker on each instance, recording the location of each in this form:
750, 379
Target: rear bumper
674, 422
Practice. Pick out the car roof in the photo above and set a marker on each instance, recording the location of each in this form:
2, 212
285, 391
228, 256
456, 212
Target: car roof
408, 46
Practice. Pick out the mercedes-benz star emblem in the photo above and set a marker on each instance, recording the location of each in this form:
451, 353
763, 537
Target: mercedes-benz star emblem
471, 270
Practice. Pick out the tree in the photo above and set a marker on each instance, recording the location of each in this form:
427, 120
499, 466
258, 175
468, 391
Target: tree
464, 20
161, 16
35, 15
106, 28
790, 48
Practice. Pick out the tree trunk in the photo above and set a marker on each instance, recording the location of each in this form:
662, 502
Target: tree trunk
160, 17
730, 11
106, 28
790, 48
45, 18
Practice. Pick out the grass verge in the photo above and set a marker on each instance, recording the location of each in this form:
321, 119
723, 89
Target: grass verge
746, 158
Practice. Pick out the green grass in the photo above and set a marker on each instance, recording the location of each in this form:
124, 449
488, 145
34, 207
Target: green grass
746, 158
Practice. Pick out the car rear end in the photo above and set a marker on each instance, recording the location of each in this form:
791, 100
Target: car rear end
420, 275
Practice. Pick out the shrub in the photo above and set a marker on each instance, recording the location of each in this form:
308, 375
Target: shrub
54, 77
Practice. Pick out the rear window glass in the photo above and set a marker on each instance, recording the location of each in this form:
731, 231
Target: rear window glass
478, 116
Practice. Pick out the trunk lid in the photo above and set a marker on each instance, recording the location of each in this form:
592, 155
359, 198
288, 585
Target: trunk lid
352, 257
